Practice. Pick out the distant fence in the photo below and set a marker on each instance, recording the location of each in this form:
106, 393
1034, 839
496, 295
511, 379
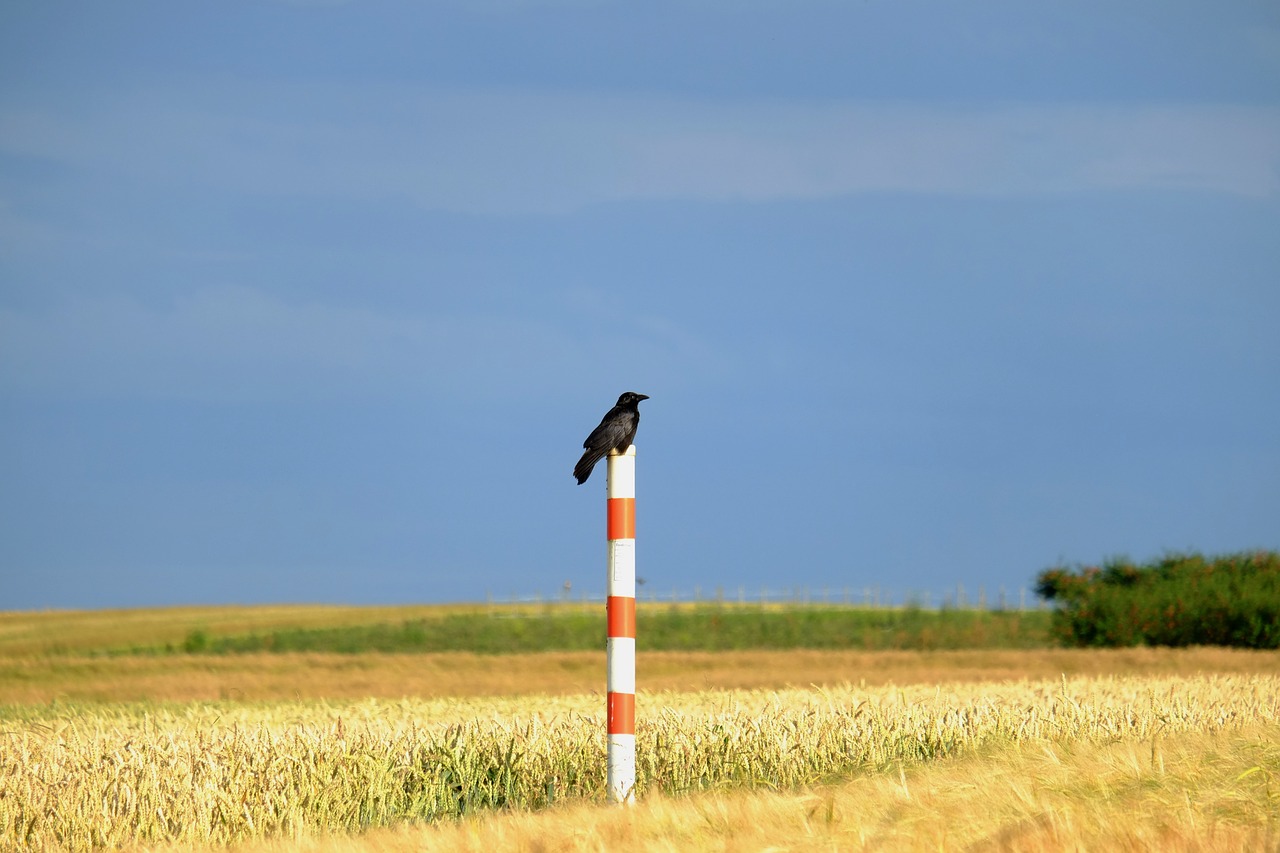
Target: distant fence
806, 596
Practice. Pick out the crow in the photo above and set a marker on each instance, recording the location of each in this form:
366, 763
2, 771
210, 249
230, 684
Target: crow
616, 432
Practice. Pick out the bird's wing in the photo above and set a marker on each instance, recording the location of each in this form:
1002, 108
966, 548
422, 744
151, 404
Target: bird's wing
610, 431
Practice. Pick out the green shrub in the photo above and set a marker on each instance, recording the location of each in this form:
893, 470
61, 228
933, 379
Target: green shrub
197, 641
1178, 600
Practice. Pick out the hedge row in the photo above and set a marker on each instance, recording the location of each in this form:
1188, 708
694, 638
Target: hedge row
1178, 600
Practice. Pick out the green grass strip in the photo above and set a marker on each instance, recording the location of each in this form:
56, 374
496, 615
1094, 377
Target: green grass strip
659, 628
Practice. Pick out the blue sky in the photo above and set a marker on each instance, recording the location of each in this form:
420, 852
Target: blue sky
316, 301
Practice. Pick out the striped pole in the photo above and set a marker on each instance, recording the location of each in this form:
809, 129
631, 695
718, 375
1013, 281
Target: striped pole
621, 610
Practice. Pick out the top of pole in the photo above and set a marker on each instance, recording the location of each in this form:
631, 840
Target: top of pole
621, 476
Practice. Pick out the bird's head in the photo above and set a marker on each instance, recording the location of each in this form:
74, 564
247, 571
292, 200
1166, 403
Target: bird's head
631, 398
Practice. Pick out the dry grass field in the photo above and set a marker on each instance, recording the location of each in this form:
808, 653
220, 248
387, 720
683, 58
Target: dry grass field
985, 749
278, 677
28, 633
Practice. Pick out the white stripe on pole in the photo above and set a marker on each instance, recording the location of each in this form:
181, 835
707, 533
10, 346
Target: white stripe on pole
622, 675
622, 568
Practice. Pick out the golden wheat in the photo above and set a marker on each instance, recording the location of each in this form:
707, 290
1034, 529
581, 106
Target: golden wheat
216, 774
1177, 793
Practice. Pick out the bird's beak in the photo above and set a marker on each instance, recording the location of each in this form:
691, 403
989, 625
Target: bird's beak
642, 396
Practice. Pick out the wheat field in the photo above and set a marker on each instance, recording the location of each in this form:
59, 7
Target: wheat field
987, 749
1182, 793
232, 773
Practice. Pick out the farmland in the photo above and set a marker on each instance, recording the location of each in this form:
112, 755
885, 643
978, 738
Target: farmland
809, 748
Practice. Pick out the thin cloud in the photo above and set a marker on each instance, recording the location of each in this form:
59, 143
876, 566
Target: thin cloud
237, 343
539, 152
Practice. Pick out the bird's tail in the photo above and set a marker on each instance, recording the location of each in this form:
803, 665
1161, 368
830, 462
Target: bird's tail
585, 465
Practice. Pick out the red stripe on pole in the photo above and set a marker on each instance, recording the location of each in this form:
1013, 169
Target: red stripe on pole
622, 616
622, 713
622, 518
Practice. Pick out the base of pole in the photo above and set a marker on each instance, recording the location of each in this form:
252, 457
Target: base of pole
622, 769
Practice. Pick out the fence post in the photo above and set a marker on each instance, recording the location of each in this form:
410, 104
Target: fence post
621, 618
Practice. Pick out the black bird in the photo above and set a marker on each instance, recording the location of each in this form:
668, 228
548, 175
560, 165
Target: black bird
616, 432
